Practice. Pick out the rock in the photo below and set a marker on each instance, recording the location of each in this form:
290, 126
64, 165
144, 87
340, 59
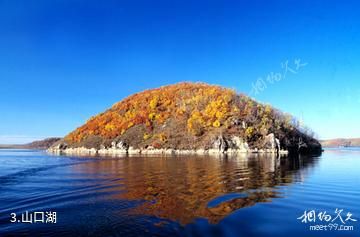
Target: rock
201, 151
62, 146
220, 144
120, 145
237, 143
277, 142
236, 122
244, 125
271, 142
117, 147
302, 146
170, 152
231, 145
134, 151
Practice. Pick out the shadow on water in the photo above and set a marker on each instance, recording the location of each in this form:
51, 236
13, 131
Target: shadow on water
183, 189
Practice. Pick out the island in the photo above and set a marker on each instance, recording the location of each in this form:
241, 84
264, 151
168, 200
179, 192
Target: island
188, 118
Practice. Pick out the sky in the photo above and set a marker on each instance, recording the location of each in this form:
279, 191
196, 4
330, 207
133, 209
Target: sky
62, 62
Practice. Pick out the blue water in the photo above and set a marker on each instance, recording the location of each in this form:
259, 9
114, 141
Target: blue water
179, 196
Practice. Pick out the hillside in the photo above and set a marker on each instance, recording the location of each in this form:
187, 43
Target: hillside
42, 144
339, 142
190, 116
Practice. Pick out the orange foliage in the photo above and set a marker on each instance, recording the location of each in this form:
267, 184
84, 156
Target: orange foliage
156, 106
202, 106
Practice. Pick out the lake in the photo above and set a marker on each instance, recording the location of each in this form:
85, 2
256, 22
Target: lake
248, 195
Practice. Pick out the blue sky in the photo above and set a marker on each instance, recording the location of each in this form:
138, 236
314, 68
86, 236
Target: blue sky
64, 61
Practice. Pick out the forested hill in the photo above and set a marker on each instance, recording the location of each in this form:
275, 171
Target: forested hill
189, 116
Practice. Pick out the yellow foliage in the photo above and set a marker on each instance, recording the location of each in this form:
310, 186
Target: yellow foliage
196, 123
154, 103
162, 137
109, 127
146, 136
219, 114
217, 124
180, 111
268, 109
130, 125
148, 123
152, 116
249, 132
130, 114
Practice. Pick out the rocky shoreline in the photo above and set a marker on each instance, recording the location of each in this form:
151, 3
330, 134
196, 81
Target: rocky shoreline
153, 151
234, 145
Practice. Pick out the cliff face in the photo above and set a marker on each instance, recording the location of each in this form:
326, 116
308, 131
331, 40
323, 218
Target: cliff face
189, 117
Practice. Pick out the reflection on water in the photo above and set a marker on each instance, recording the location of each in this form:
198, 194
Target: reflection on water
253, 195
182, 188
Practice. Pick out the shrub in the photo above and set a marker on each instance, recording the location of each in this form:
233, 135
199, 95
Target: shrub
146, 136
162, 137
196, 123
249, 132
152, 116
154, 103
216, 124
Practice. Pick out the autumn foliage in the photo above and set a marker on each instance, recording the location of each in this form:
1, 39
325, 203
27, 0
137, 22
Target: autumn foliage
202, 108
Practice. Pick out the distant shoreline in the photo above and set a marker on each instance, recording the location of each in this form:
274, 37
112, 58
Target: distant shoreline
340, 142
11, 146
327, 147
36, 145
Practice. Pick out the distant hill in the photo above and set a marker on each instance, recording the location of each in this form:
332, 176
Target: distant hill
42, 144
338, 142
189, 116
